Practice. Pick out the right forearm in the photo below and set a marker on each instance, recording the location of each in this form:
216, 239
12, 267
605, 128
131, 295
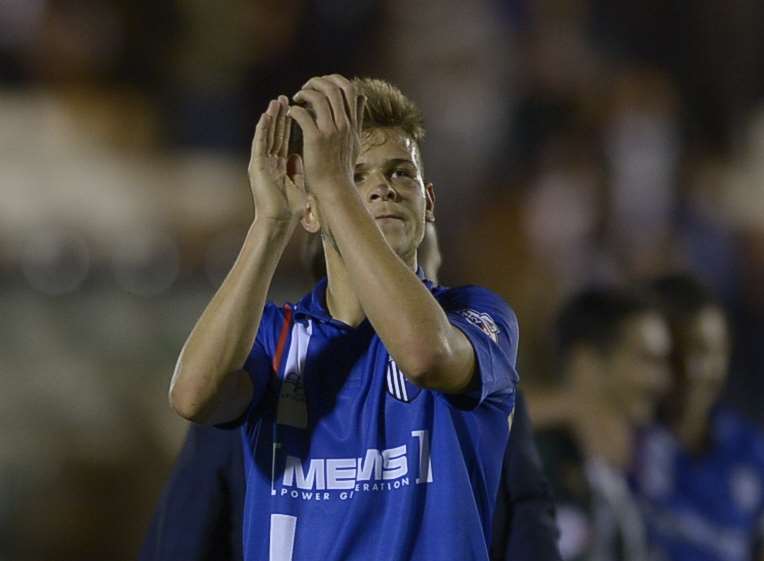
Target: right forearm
224, 334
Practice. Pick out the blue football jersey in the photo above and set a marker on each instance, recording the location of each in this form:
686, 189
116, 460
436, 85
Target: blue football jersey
708, 507
346, 460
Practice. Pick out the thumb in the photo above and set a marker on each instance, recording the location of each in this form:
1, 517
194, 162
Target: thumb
294, 165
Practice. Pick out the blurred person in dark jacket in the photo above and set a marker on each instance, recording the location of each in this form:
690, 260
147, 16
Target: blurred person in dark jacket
613, 348
699, 471
199, 515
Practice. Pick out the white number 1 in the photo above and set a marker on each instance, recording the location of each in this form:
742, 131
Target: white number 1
283, 528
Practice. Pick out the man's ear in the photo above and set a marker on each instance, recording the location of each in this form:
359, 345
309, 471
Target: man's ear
310, 220
295, 170
429, 195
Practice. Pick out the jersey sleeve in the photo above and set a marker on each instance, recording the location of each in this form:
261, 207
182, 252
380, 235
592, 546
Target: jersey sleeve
492, 330
259, 361
264, 354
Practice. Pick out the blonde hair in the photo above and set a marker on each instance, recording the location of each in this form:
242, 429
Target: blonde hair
386, 107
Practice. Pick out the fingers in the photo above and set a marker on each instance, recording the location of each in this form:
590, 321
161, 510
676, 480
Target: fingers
304, 120
274, 107
284, 152
320, 105
334, 101
260, 142
273, 130
348, 92
281, 136
341, 110
342, 117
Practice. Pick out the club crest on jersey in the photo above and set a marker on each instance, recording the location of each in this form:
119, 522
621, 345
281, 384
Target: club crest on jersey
396, 383
482, 321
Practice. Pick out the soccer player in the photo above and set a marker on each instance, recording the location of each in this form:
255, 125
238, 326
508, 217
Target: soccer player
199, 514
700, 469
374, 411
613, 352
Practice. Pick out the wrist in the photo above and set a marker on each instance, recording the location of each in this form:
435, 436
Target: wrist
273, 229
332, 188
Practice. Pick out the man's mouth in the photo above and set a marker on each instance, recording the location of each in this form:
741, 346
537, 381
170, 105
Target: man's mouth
388, 217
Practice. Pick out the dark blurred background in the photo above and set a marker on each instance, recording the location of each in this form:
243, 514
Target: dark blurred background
568, 140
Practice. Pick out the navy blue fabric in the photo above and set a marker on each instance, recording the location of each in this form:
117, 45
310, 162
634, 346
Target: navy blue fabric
524, 526
199, 514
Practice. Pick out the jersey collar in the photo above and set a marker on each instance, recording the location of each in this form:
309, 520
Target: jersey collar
313, 304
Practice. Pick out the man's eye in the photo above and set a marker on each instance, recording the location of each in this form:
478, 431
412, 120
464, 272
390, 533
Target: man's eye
403, 173
358, 177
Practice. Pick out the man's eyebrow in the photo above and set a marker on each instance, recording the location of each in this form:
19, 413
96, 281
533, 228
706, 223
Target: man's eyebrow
388, 163
396, 161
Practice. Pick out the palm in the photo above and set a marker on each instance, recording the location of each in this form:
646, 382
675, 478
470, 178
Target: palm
275, 173
275, 194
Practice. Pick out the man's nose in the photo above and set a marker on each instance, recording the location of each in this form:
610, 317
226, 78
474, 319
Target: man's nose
382, 188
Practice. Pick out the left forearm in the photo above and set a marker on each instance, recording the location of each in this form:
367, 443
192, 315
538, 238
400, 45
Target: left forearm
406, 316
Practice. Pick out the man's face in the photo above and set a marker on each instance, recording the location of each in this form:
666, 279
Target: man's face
638, 371
703, 348
389, 180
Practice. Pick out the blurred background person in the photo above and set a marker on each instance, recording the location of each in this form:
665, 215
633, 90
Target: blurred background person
613, 352
699, 471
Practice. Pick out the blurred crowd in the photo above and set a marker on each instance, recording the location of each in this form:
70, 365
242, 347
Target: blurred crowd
569, 141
